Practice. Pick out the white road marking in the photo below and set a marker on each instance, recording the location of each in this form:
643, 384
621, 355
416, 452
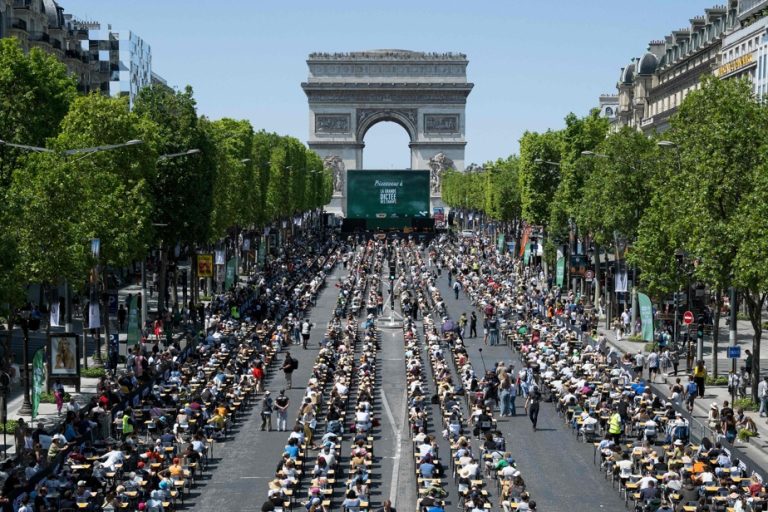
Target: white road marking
396, 466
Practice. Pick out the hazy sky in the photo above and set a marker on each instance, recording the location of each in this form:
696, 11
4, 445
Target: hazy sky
532, 62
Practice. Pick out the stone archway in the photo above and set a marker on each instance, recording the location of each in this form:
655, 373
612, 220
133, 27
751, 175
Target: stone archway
425, 93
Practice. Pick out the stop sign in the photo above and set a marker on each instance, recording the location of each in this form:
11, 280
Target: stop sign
688, 317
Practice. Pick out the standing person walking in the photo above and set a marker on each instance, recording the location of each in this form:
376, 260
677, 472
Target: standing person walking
289, 365
699, 376
121, 315
504, 396
281, 404
306, 328
473, 325
266, 411
258, 375
690, 393
456, 288
653, 364
532, 405
762, 394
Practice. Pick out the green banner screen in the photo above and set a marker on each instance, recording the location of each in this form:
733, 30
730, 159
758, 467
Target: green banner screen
387, 199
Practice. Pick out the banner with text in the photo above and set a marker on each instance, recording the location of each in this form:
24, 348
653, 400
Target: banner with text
646, 316
378, 196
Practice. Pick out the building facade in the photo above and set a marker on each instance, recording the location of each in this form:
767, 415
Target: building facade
652, 87
745, 50
122, 61
608, 104
116, 63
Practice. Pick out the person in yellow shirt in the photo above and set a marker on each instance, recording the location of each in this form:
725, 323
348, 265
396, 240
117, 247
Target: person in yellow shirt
699, 376
217, 421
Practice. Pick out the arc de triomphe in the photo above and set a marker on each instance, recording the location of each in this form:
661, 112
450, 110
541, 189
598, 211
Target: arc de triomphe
425, 93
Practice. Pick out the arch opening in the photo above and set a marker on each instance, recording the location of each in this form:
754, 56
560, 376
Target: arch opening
386, 145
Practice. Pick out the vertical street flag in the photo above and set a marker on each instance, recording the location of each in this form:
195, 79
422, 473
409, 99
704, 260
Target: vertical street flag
646, 315
133, 322
527, 253
500, 245
621, 282
524, 241
229, 278
262, 251
94, 315
560, 271
55, 317
38, 380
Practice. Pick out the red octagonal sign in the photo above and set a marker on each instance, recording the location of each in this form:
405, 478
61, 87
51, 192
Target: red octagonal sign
688, 317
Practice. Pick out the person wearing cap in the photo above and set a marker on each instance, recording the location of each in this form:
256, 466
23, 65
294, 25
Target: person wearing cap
82, 495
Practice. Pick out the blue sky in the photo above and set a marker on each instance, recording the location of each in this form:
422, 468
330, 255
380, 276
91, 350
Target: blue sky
532, 62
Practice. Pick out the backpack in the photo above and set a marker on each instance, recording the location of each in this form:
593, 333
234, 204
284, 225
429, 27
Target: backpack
295, 364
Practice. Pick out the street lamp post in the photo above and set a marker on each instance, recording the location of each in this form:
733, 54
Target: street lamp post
26, 406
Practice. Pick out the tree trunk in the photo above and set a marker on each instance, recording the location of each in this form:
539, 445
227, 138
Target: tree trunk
596, 279
754, 301
716, 330
193, 285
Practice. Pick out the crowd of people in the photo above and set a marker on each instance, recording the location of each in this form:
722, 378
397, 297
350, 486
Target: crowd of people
467, 403
642, 438
148, 434
338, 405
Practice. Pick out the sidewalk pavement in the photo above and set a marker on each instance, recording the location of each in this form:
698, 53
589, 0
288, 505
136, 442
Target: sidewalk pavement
756, 449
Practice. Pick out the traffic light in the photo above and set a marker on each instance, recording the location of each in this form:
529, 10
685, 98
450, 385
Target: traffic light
392, 268
700, 331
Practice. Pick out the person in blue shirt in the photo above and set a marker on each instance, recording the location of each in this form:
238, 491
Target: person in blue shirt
292, 448
427, 469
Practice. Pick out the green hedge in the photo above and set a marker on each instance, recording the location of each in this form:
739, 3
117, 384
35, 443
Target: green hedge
10, 427
722, 380
93, 373
746, 403
49, 398
745, 434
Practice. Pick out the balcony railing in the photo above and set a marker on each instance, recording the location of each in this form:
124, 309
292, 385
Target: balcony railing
19, 24
76, 55
40, 36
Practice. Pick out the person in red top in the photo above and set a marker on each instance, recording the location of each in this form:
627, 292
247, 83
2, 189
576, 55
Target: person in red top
258, 375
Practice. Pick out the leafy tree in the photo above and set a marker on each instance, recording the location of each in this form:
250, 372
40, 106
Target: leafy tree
182, 187
35, 94
236, 189
538, 181
263, 144
721, 132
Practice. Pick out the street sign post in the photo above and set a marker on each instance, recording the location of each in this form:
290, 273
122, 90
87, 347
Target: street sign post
734, 352
688, 317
